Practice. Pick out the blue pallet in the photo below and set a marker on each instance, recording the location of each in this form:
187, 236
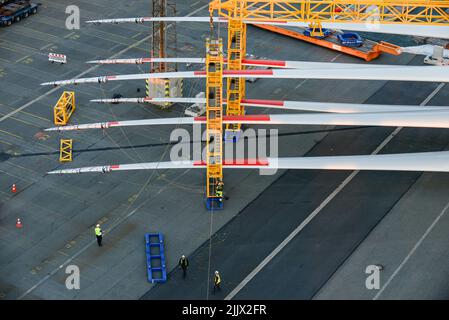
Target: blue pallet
350, 39
155, 261
326, 32
213, 204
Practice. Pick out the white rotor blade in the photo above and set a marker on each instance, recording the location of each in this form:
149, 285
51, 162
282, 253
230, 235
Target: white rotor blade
130, 123
425, 161
432, 31
393, 73
422, 119
148, 60
425, 50
282, 64
150, 100
335, 107
288, 105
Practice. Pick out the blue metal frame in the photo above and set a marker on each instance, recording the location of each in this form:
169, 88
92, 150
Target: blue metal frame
155, 241
213, 204
350, 39
326, 32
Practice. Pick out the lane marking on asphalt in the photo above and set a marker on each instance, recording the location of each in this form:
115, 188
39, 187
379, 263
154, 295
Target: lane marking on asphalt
410, 254
298, 229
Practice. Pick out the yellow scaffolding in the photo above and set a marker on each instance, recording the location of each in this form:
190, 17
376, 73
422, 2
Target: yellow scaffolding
214, 114
64, 108
236, 52
65, 150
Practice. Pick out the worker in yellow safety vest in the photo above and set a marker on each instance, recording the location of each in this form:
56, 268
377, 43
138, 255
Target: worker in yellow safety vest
184, 263
219, 190
217, 281
99, 234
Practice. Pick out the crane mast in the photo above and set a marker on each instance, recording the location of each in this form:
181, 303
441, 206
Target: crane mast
214, 123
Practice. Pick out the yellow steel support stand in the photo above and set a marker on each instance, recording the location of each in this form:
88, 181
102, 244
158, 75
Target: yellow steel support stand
65, 150
64, 108
236, 52
316, 29
214, 115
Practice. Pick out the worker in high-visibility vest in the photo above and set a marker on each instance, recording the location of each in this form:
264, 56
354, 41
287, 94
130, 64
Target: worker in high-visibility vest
183, 263
217, 281
99, 234
219, 189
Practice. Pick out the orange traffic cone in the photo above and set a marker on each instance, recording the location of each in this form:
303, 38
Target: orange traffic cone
13, 188
18, 224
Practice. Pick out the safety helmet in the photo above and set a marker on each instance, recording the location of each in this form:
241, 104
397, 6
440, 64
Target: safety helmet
216, 272
98, 225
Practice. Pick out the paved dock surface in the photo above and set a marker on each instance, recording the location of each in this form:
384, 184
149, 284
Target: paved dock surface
395, 219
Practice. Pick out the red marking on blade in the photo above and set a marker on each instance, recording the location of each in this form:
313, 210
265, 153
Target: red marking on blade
248, 72
200, 119
147, 99
199, 73
264, 102
275, 63
116, 166
257, 117
111, 77
113, 123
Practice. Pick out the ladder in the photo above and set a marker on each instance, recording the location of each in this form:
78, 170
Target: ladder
214, 124
235, 86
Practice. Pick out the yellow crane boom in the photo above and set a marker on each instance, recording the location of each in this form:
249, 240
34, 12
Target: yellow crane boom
351, 11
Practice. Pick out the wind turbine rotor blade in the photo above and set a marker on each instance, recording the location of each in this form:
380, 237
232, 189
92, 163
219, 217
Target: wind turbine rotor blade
282, 64
150, 100
288, 105
127, 167
431, 31
335, 107
424, 161
419, 119
148, 60
130, 123
393, 73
